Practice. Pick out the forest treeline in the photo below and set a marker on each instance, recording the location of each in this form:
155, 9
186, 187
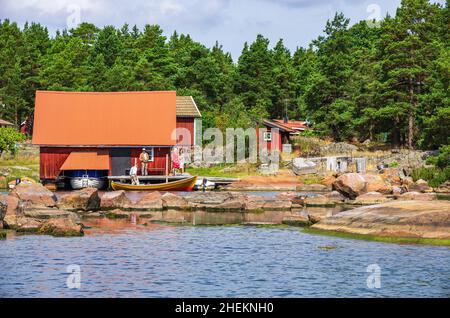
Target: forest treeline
384, 81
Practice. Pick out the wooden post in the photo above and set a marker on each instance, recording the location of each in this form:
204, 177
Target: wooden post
167, 168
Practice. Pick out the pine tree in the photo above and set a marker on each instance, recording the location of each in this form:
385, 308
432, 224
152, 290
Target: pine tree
36, 43
108, 44
284, 89
328, 98
254, 79
11, 50
406, 52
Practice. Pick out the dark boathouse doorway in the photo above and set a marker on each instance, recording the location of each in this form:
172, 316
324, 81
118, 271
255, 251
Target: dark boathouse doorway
120, 161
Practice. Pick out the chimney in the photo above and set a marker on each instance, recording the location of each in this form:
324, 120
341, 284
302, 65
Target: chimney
286, 119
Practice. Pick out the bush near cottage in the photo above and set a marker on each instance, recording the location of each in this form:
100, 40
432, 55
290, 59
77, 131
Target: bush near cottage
438, 174
434, 176
442, 160
9, 137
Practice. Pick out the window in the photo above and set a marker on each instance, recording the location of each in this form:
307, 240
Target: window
151, 154
267, 136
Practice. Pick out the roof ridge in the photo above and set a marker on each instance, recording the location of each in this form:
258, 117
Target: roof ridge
105, 93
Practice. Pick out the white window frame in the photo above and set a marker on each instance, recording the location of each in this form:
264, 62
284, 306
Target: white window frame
267, 136
151, 154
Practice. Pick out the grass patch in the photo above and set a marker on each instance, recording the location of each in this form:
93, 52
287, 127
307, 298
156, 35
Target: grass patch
225, 171
384, 239
2, 234
310, 179
18, 167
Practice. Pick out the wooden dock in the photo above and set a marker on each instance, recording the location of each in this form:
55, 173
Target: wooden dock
219, 181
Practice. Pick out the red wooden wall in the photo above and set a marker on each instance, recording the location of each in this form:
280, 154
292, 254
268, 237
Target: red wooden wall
158, 163
269, 143
187, 123
52, 159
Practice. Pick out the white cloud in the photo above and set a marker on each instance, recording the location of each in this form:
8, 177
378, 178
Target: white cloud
231, 22
49, 7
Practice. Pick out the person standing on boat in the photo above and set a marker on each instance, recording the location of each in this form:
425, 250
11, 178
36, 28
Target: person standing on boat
144, 158
133, 174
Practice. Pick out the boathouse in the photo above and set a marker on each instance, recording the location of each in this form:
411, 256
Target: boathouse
102, 134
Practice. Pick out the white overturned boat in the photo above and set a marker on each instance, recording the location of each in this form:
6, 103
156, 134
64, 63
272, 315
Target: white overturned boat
87, 182
208, 186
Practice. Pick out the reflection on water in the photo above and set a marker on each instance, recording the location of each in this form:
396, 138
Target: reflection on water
121, 259
102, 226
135, 196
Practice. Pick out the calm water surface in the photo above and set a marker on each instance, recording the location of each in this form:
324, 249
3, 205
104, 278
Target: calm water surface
162, 261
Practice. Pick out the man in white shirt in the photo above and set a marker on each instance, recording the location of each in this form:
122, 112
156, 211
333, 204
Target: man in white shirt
133, 175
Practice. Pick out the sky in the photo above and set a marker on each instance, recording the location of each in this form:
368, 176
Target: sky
230, 22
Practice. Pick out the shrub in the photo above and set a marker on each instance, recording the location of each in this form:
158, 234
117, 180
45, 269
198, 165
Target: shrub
9, 136
394, 164
309, 146
438, 174
442, 160
434, 176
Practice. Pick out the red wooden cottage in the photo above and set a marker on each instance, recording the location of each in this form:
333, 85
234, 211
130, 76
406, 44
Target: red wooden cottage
278, 132
104, 133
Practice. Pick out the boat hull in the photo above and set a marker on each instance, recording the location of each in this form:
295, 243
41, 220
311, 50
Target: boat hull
179, 185
12, 184
209, 185
81, 183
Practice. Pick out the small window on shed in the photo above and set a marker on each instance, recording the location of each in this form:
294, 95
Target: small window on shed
267, 136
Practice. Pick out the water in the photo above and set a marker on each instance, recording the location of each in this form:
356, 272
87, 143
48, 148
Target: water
163, 261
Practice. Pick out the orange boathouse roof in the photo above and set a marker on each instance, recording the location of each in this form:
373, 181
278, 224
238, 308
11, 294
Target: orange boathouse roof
104, 119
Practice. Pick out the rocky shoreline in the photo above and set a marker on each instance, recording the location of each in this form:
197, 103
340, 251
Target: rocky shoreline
31, 208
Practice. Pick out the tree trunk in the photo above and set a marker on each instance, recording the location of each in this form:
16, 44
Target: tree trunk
411, 115
395, 137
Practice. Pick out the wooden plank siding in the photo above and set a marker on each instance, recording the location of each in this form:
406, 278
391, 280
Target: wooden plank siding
269, 143
52, 159
187, 123
157, 167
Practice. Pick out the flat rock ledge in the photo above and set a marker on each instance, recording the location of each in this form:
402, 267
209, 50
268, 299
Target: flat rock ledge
397, 219
34, 209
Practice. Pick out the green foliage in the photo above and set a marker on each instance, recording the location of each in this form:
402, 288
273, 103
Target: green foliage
442, 160
308, 145
394, 164
309, 133
438, 174
9, 136
434, 176
353, 81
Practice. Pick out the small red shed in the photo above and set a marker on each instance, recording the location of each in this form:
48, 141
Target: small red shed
188, 118
102, 132
274, 134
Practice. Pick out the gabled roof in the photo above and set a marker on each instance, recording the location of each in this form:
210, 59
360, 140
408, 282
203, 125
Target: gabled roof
104, 119
186, 107
274, 124
293, 124
5, 123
